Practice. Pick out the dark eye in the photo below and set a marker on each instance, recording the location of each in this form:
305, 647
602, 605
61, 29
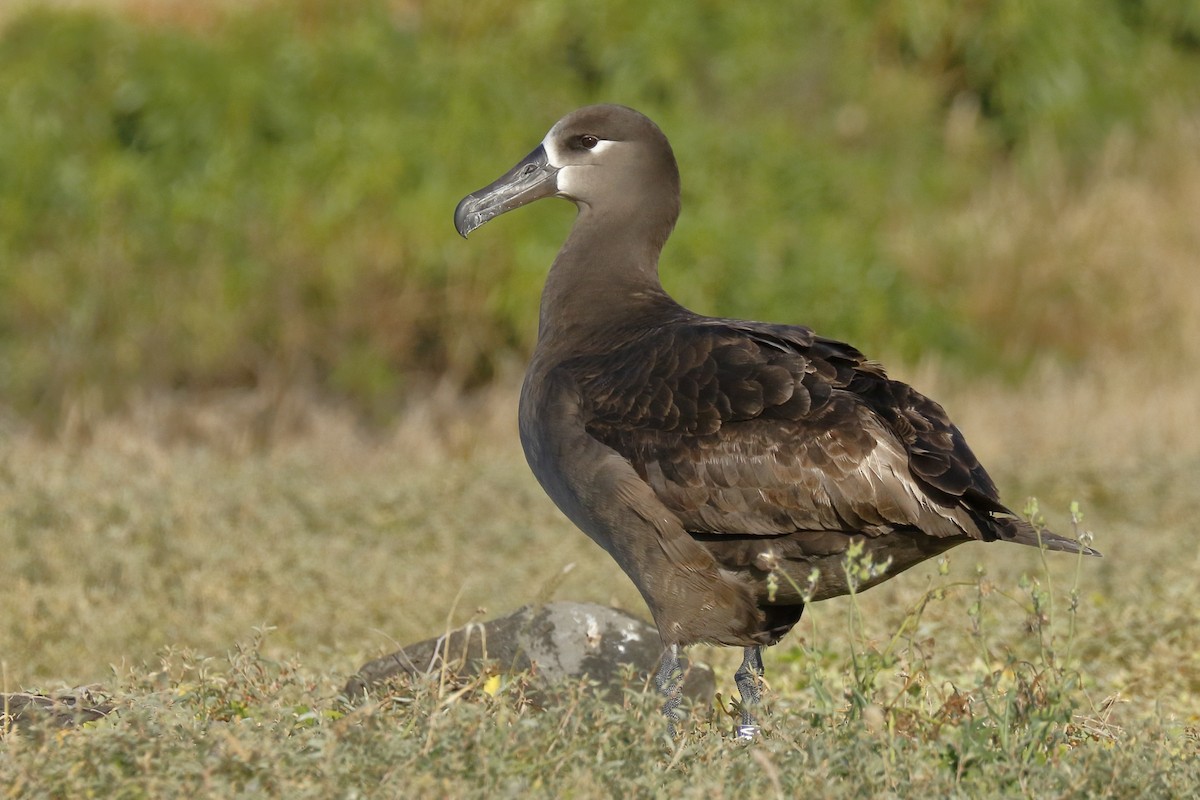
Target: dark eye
588, 141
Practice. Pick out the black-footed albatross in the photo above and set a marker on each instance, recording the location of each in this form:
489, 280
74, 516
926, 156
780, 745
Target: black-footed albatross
726, 465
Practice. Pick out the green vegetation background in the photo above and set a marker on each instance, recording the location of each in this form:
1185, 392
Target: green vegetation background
265, 198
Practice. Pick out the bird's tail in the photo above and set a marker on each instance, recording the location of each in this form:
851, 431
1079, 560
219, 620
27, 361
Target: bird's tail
1021, 532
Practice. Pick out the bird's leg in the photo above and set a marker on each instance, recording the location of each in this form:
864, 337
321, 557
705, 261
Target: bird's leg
748, 679
669, 681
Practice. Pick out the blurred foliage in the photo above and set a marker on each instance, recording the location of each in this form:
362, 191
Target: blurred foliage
268, 199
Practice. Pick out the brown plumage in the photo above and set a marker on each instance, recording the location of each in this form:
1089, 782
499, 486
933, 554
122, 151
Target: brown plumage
720, 462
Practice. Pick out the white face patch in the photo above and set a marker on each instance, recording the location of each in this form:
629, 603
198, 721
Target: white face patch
602, 145
553, 154
570, 176
570, 182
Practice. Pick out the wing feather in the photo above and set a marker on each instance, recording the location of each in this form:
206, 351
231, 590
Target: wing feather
744, 428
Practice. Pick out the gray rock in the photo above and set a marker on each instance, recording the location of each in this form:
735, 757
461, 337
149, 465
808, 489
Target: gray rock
555, 642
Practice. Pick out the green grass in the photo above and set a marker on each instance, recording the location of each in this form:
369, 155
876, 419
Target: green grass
253, 726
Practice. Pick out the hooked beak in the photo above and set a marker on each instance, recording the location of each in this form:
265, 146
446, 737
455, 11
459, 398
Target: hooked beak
532, 179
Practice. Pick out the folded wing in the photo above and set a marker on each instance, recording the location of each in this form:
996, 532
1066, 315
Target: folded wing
754, 429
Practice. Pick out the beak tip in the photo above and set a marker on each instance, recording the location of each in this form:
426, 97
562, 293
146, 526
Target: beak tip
462, 222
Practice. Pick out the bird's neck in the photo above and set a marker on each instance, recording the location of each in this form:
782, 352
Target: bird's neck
605, 275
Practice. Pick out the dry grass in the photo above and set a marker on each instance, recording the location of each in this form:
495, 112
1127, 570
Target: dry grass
1101, 268
178, 526
153, 542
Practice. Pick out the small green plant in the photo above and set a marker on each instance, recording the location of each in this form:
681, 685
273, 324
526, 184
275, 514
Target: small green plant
1015, 710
